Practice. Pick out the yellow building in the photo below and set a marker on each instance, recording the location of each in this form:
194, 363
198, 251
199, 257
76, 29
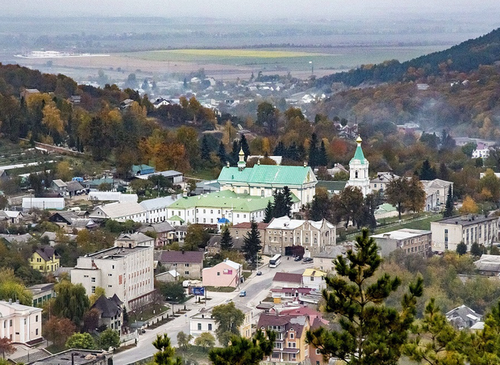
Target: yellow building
45, 260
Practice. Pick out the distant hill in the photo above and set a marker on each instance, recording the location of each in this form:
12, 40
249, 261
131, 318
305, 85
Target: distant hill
464, 57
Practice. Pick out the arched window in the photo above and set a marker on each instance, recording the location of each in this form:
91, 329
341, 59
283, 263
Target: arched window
356, 174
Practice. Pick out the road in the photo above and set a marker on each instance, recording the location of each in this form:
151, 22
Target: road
257, 288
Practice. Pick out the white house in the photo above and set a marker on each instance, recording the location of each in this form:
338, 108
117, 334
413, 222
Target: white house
20, 323
156, 209
120, 212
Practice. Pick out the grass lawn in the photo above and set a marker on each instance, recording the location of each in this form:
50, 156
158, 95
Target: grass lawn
220, 289
423, 223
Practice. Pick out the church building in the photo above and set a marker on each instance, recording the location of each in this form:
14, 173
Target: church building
358, 170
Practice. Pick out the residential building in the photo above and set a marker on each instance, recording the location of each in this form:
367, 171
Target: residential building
409, 240
379, 183
463, 317
162, 231
449, 232
241, 230
110, 312
124, 271
70, 220
20, 323
156, 209
208, 209
324, 259
213, 245
189, 264
134, 239
290, 345
76, 357
45, 259
203, 321
41, 293
11, 216
436, 193
358, 170
120, 212
482, 151
287, 280
488, 265
226, 273
315, 279
59, 186
295, 295
263, 180
313, 236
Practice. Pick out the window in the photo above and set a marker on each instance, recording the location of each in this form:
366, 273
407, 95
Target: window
210, 326
199, 326
218, 273
93, 289
92, 280
291, 335
186, 272
10, 323
186, 265
36, 331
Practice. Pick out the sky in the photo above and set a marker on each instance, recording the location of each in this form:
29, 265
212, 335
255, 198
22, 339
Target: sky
246, 9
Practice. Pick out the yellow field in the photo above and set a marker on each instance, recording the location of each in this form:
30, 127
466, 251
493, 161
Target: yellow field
240, 53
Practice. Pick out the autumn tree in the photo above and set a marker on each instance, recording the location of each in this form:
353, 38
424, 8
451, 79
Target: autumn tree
71, 301
405, 193
469, 206
228, 319
205, 340
371, 332
80, 341
489, 186
6, 347
348, 205
58, 330
197, 237
183, 340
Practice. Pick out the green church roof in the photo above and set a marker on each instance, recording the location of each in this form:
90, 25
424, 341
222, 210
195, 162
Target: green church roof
359, 155
226, 199
268, 174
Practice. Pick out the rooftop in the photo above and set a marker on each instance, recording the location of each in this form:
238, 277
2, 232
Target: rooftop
73, 357
288, 277
181, 256
268, 174
115, 252
465, 220
402, 234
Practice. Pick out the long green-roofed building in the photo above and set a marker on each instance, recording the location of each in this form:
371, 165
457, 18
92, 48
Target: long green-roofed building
245, 193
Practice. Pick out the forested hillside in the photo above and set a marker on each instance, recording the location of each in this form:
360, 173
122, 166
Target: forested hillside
464, 57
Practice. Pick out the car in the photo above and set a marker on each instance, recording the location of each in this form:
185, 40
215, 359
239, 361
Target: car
297, 258
308, 259
243, 293
259, 273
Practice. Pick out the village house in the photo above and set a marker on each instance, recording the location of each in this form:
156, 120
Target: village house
287, 280
45, 259
120, 212
436, 193
42, 293
156, 209
162, 231
226, 273
290, 345
189, 264
134, 239
110, 312
463, 317
315, 279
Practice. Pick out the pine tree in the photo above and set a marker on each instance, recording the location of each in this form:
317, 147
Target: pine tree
252, 244
313, 151
222, 154
279, 206
427, 172
244, 146
371, 332
322, 157
205, 149
287, 201
234, 155
165, 354
268, 213
448, 209
226, 241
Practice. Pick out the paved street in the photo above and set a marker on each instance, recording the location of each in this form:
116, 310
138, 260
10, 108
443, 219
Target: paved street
257, 288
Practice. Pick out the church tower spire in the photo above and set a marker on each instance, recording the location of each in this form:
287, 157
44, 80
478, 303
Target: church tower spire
241, 163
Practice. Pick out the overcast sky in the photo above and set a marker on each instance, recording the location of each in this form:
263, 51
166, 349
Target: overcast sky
245, 8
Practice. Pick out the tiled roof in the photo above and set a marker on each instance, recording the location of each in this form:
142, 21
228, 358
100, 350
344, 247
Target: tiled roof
289, 321
181, 257
108, 307
288, 277
268, 174
46, 253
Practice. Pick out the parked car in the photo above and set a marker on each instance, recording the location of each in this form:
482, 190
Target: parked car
243, 293
308, 259
297, 258
259, 273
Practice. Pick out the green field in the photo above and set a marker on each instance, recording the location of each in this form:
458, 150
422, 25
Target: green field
330, 58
